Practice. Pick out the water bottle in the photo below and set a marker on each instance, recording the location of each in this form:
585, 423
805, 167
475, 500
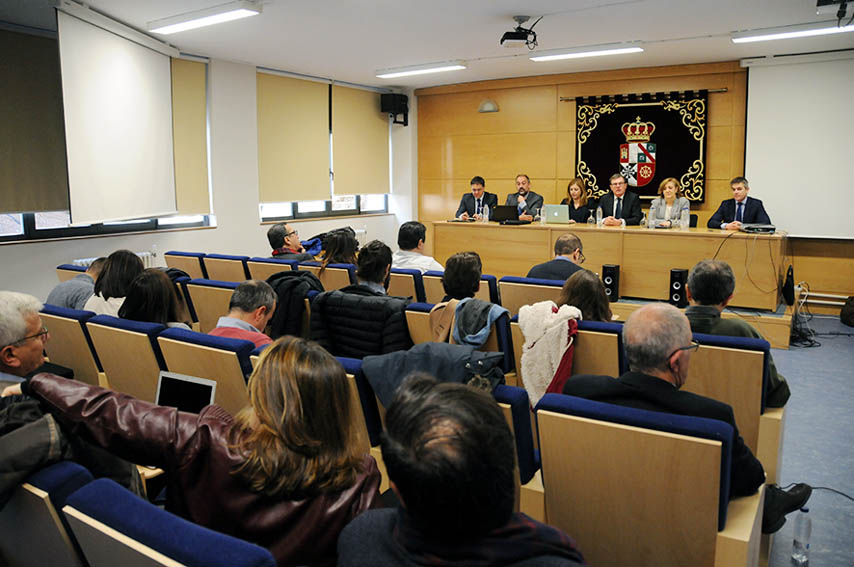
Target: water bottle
651, 218
684, 219
801, 543
542, 217
484, 216
598, 216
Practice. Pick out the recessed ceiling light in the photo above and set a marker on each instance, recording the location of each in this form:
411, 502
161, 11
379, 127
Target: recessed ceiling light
421, 69
587, 51
790, 32
207, 17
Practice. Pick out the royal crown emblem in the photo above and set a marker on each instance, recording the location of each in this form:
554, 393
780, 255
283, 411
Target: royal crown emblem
637, 156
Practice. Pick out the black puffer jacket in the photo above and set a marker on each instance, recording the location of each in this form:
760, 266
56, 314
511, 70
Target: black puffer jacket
356, 321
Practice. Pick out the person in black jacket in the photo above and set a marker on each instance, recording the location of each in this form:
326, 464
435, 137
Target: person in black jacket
658, 345
619, 207
568, 259
361, 319
471, 204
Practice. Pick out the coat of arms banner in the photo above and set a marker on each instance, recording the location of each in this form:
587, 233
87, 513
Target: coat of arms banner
647, 138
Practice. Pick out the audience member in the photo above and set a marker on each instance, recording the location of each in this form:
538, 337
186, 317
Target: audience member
251, 307
710, 288
472, 204
111, 286
361, 319
340, 248
450, 458
568, 259
658, 346
620, 208
462, 275
284, 239
410, 240
741, 209
586, 291
527, 203
22, 335
151, 298
285, 473
74, 293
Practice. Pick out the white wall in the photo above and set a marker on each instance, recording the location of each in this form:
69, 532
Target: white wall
29, 266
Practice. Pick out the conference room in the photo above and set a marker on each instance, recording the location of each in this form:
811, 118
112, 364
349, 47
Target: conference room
279, 117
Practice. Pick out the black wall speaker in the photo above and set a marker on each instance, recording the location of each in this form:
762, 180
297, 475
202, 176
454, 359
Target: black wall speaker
677, 295
611, 279
395, 104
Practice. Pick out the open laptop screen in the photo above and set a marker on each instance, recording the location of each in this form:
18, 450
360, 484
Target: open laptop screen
187, 393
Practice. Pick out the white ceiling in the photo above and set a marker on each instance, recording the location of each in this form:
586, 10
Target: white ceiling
348, 40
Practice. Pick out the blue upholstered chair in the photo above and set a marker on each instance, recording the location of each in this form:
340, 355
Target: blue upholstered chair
225, 267
115, 527
641, 487
191, 262
209, 300
434, 292
262, 268
406, 283
129, 354
68, 271
33, 530
224, 360
516, 292
70, 343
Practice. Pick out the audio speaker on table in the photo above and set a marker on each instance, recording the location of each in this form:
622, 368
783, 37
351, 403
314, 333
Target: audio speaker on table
611, 279
677, 295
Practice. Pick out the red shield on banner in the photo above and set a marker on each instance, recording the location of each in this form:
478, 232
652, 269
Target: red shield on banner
637, 162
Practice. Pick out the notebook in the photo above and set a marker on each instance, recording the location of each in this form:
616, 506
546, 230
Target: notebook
556, 214
187, 393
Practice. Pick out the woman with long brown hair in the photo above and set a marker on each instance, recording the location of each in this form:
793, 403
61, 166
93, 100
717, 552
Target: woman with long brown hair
585, 290
286, 473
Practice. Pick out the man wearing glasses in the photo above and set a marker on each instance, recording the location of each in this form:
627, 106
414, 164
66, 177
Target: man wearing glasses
22, 336
658, 346
284, 239
619, 207
568, 259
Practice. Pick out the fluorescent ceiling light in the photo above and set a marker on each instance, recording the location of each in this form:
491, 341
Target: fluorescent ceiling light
421, 69
206, 17
589, 51
790, 32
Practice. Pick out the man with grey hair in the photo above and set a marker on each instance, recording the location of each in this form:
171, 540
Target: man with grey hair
22, 335
74, 293
658, 345
710, 288
568, 259
251, 307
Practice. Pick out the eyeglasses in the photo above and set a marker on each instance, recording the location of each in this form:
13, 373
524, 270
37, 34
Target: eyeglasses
581, 257
693, 346
41, 335
292, 232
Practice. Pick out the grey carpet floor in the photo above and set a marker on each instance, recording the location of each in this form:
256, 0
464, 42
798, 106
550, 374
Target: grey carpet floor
818, 442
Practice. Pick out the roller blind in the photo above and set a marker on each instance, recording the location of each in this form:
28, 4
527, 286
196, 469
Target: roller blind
359, 142
293, 139
33, 173
189, 127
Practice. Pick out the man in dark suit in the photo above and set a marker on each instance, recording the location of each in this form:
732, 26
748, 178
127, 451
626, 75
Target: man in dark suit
471, 205
658, 346
620, 208
528, 203
740, 209
566, 262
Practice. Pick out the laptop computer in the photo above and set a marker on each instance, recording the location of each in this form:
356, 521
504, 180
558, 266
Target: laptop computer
556, 214
504, 213
758, 228
187, 393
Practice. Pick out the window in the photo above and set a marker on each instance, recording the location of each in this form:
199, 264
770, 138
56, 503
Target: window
11, 225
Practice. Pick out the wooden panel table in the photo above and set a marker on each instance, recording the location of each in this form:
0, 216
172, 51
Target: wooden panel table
645, 256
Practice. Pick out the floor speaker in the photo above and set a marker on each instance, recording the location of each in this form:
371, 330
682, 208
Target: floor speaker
611, 279
677, 295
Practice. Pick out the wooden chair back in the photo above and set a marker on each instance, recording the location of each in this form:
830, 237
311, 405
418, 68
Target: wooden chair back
69, 346
209, 302
226, 269
331, 278
515, 295
65, 272
595, 352
190, 264
259, 270
130, 362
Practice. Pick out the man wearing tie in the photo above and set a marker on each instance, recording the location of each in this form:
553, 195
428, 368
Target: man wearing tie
471, 205
740, 209
528, 203
620, 208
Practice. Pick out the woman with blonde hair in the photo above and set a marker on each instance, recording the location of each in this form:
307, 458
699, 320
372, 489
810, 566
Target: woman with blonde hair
576, 199
668, 207
286, 473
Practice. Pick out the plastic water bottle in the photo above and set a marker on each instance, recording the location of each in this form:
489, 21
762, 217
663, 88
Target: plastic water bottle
650, 220
484, 216
542, 217
801, 543
598, 216
684, 219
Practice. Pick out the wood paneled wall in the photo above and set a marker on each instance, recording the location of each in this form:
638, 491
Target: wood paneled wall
534, 133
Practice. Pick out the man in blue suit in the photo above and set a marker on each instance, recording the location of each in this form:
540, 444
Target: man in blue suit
740, 209
472, 204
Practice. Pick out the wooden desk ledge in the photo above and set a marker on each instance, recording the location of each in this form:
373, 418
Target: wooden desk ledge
739, 542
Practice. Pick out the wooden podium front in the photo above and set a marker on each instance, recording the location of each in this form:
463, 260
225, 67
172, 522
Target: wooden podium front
645, 256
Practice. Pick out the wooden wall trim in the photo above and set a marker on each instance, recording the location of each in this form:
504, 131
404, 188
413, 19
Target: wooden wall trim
589, 76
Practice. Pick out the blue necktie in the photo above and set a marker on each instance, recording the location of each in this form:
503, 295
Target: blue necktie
738, 215
479, 209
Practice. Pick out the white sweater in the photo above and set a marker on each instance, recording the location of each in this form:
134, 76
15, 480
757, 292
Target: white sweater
546, 340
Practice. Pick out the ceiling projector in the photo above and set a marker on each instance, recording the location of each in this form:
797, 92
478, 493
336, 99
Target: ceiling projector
520, 37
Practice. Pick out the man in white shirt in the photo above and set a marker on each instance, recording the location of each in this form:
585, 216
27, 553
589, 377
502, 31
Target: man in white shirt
410, 240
